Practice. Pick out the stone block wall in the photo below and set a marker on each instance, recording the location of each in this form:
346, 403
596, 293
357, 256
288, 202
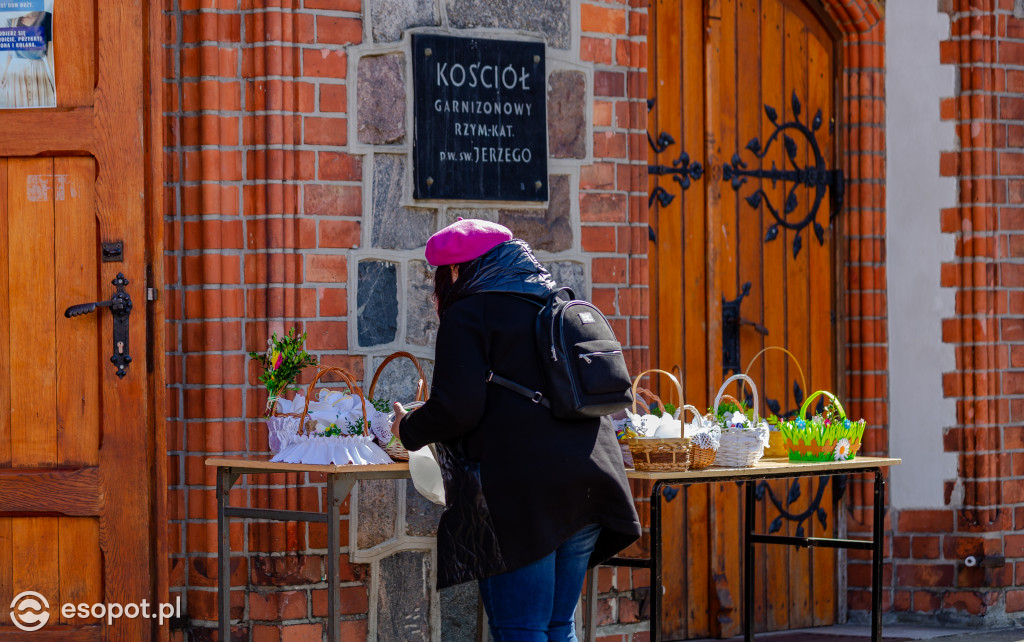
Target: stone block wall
287, 203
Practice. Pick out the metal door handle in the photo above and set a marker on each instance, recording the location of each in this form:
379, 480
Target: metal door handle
120, 305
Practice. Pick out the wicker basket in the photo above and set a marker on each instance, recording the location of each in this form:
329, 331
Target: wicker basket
776, 446
394, 448
815, 442
743, 447
303, 427
654, 453
704, 444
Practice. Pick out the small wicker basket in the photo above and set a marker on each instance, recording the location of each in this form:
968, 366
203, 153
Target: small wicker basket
304, 427
704, 444
394, 448
776, 446
743, 447
655, 454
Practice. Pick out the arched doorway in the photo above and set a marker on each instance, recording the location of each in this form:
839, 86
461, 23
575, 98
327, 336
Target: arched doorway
747, 89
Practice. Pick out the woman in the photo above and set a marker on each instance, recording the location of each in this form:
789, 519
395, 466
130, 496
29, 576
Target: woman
532, 500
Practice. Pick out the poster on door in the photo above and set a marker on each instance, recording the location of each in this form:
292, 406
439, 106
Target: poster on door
26, 54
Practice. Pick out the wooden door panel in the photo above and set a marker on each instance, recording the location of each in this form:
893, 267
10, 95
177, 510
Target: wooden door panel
75, 447
33, 326
748, 54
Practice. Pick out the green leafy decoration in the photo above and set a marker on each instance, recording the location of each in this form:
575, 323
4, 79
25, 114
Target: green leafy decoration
281, 363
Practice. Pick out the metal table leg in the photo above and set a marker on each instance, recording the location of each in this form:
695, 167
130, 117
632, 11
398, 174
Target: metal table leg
225, 479
657, 594
337, 489
877, 550
748, 562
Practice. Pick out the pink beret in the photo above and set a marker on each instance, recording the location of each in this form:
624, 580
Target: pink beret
465, 240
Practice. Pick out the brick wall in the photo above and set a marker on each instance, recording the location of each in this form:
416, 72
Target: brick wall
281, 210
985, 504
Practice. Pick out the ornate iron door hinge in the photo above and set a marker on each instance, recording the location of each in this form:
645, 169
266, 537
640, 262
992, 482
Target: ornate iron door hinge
816, 177
814, 508
120, 305
681, 170
731, 322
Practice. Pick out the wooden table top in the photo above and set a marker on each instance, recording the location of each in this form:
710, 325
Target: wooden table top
262, 464
767, 466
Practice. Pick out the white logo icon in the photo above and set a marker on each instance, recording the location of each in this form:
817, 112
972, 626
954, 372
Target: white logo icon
29, 611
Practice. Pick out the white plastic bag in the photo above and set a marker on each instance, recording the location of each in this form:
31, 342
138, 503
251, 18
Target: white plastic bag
426, 474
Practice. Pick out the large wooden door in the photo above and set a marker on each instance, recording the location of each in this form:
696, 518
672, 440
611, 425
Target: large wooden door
729, 81
76, 441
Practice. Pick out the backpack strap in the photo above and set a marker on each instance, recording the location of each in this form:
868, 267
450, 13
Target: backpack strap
533, 395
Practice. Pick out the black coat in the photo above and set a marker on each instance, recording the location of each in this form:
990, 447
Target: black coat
518, 481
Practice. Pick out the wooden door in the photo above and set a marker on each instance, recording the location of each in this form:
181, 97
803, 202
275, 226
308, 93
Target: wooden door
730, 80
76, 439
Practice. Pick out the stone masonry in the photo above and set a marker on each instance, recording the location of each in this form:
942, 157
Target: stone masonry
288, 203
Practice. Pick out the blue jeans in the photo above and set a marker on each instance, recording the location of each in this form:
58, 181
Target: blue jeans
537, 603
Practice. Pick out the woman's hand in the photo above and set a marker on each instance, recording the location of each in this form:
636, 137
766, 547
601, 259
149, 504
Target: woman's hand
399, 413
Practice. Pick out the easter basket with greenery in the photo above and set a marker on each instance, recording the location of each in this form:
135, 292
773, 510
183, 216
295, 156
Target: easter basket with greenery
655, 439
744, 434
775, 447
829, 436
335, 428
392, 444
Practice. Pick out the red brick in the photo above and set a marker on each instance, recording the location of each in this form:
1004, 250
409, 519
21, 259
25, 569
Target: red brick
925, 575
338, 31
334, 166
333, 302
609, 208
1014, 601
609, 270
326, 268
598, 239
594, 19
354, 6
334, 200
325, 131
327, 335
925, 521
609, 83
339, 234
966, 601
925, 547
333, 98
353, 600
301, 632
597, 50
324, 63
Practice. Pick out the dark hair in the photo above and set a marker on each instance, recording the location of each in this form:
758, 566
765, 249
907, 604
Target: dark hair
443, 285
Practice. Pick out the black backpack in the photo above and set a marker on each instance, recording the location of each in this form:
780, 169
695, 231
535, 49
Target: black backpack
584, 368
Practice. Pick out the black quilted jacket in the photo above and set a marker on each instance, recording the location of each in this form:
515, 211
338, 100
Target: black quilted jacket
518, 481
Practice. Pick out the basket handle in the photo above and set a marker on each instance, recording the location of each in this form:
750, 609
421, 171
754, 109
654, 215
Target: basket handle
696, 415
639, 398
753, 388
679, 388
349, 379
803, 380
807, 403
421, 386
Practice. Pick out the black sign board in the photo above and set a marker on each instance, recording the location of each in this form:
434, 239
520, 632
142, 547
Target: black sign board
481, 119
